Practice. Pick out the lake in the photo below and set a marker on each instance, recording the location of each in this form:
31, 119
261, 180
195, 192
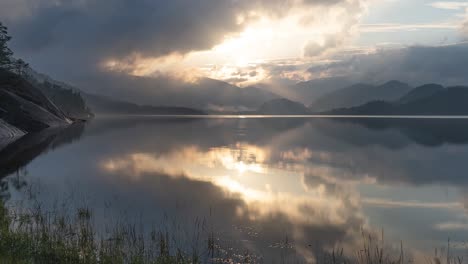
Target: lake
275, 189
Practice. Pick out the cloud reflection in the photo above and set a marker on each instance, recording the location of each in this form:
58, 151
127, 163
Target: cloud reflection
308, 181
261, 204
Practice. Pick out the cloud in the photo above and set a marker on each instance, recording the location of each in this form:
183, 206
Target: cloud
395, 27
329, 43
97, 30
416, 65
336, 37
449, 5
459, 6
411, 204
99, 46
464, 28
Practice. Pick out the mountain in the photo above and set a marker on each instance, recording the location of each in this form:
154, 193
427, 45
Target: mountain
68, 100
307, 91
25, 107
203, 93
105, 105
369, 108
65, 96
82, 105
283, 106
359, 94
421, 92
449, 101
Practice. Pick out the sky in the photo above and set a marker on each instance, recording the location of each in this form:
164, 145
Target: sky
242, 42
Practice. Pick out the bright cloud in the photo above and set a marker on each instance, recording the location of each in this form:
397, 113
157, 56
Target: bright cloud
449, 5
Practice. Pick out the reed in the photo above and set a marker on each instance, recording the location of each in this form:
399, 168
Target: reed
37, 236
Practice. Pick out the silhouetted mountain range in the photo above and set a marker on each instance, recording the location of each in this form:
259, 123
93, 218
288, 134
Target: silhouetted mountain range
307, 91
204, 93
424, 100
359, 94
421, 92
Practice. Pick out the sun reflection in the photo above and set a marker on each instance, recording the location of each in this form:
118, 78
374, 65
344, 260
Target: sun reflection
242, 159
236, 171
240, 173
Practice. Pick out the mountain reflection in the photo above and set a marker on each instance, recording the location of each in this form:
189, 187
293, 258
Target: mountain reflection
313, 182
19, 153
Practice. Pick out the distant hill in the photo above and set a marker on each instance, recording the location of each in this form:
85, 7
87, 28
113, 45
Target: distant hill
283, 107
359, 94
449, 101
204, 93
79, 104
421, 92
210, 94
307, 91
105, 105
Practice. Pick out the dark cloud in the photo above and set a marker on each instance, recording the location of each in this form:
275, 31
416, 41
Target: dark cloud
70, 40
416, 65
93, 30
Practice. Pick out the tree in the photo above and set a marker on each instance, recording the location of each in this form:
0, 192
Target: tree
20, 67
6, 54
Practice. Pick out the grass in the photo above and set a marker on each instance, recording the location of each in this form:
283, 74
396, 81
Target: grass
35, 236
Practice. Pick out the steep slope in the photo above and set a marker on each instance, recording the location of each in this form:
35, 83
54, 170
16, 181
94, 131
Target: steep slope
64, 96
359, 94
9, 131
421, 92
25, 107
283, 107
68, 100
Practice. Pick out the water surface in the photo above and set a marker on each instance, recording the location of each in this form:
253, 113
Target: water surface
275, 188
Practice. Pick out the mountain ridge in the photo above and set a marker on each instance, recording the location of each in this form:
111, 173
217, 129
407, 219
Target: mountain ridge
447, 101
283, 106
360, 93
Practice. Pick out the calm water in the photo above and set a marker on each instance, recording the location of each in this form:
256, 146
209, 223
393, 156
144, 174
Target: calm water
278, 188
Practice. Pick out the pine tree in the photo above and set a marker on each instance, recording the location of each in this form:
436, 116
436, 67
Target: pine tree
20, 67
6, 61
